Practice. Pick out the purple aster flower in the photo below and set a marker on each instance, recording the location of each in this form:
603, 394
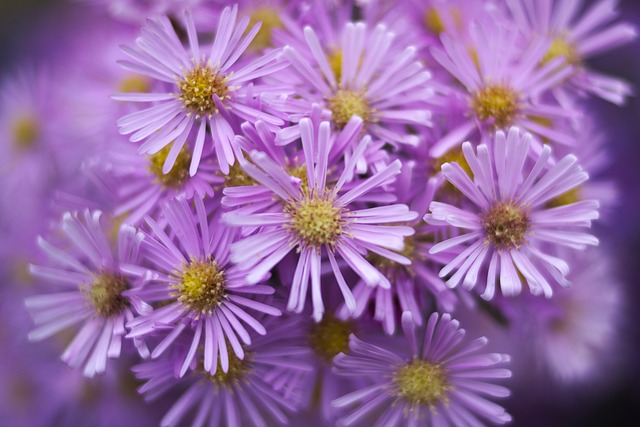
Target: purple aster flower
139, 184
261, 389
365, 75
444, 382
578, 34
93, 291
203, 91
575, 334
511, 228
203, 295
503, 85
314, 219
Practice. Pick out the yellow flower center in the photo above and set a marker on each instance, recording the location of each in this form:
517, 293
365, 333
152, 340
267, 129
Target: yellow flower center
561, 48
433, 21
238, 369
571, 196
201, 286
330, 337
454, 155
422, 383
335, 63
345, 104
498, 103
178, 174
316, 220
105, 294
135, 83
26, 131
237, 177
270, 19
198, 86
506, 225
386, 265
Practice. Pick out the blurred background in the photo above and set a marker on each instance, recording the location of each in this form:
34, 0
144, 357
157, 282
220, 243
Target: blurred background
31, 31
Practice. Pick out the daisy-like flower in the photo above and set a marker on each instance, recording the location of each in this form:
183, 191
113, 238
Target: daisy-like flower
503, 85
314, 219
574, 333
578, 34
443, 382
140, 186
366, 75
261, 389
93, 291
512, 229
203, 92
202, 293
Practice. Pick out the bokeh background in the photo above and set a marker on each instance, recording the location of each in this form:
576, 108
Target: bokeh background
35, 31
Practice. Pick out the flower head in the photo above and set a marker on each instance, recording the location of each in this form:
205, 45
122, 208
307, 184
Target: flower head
511, 227
95, 291
206, 91
314, 219
444, 382
200, 290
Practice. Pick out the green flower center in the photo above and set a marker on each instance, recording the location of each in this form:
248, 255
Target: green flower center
421, 383
345, 104
330, 337
506, 225
316, 220
105, 294
178, 174
198, 86
498, 103
201, 286
237, 177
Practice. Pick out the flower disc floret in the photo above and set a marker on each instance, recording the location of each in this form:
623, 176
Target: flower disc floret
238, 369
347, 103
198, 87
26, 131
202, 285
178, 174
316, 220
421, 383
561, 48
506, 225
330, 337
105, 294
498, 103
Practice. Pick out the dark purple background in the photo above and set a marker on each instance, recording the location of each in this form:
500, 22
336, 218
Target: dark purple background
24, 24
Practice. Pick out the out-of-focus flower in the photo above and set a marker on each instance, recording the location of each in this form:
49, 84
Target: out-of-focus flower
577, 35
258, 390
502, 85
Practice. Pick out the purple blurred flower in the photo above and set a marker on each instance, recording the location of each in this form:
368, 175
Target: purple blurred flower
202, 90
200, 290
444, 382
313, 219
94, 291
258, 390
503, 85
513, 227
577, 36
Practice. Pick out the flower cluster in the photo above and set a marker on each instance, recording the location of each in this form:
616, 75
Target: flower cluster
265, 191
